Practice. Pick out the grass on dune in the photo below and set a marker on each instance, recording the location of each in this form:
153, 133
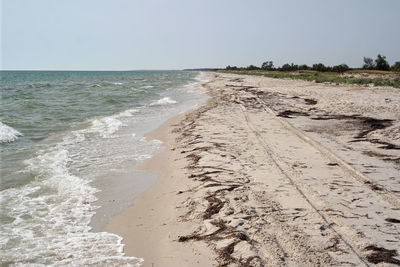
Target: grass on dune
349, 77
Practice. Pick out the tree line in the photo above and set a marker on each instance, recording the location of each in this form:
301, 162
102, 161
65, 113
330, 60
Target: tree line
380, 63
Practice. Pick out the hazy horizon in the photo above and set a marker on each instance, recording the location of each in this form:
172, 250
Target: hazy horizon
125, 35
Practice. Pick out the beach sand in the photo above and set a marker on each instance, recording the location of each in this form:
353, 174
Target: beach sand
273, 172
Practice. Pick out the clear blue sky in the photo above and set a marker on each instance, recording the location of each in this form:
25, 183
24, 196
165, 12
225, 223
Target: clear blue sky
172, 34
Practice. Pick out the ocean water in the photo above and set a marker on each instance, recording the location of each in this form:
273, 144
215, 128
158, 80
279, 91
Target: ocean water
60, 132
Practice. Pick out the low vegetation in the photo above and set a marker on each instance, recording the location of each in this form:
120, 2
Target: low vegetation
377, 73
327, 77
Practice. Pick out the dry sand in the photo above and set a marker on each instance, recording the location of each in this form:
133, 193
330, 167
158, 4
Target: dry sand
272, 173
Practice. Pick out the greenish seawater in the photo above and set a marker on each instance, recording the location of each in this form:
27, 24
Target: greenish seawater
58, 132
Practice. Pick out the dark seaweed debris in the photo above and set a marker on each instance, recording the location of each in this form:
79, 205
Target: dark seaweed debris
380, 254
372, 124
291, 113
310, 101
392, 220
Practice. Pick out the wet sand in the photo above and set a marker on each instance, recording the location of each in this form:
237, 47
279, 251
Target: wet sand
273, 172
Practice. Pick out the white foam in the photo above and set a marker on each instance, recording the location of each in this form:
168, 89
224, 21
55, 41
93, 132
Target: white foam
51, 219
127, 113
201, 78
163, 101
117, 83
192, 86
105, 127
8, 134
147, 86
74, 138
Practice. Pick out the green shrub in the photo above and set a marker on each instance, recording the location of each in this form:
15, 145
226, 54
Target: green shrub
340, 68
268, 65
396, 66
381, 63
319, 67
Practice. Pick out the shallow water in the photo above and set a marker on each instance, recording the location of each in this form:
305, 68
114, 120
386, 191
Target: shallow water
64, 136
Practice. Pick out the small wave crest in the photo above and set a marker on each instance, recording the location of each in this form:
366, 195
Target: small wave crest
101, 84
127, 113
105, 126
201, 78
163, 101
39, 85
8, 134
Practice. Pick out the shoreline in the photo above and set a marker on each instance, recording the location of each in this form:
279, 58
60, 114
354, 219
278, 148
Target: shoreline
155, 227
117, 188
272, 172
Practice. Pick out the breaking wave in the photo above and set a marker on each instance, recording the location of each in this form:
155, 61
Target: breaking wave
163, 101
8, 134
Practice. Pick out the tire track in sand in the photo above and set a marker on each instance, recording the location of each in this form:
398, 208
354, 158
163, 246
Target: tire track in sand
296, 185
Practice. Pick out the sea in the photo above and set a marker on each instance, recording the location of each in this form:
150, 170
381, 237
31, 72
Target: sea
66, 139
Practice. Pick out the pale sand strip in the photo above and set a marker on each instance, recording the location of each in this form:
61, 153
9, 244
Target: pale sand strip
271, 173
150, 227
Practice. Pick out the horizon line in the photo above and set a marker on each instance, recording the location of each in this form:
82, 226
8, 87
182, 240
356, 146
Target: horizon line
112, 70
88, 70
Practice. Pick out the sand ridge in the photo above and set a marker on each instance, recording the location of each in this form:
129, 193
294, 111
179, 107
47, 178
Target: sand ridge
278, 172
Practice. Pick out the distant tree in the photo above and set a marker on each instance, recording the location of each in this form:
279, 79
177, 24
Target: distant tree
289, 67
268, 65
319, 67
368, 63
304, 67
231, 68
340, 68
381, 63
252, 67
396, 66
285, 67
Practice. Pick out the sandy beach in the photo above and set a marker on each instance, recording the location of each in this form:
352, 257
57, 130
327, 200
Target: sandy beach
273, 172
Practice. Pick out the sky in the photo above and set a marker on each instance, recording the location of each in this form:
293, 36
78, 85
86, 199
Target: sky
177, 34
